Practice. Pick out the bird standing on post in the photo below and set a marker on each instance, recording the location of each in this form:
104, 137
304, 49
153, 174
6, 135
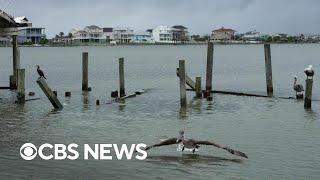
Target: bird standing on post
309, 72
298, 88
40, 72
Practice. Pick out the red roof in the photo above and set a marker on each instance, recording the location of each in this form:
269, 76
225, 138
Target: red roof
222, 29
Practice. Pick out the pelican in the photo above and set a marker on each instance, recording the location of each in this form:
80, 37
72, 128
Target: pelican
309, 71
194, 145
40, 72
298, 88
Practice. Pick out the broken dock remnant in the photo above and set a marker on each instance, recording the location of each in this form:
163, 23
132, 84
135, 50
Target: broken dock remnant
189, 81
308, 93
121, 78
21, 86
182, 77
209, 72
85, 71
198, 87
49, 93
268, 67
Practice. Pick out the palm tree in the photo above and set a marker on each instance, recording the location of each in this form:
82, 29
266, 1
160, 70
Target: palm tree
61, 34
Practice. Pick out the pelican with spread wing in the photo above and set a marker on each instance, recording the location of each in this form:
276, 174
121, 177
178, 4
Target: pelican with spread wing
194, 144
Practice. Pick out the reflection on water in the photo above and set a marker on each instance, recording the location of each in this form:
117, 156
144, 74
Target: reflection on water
192, 159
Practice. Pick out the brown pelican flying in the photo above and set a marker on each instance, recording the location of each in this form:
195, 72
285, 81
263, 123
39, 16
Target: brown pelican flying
40, 72
298, 88
193, 144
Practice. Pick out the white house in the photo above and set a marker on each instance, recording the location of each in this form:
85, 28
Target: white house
123, 35
251, 35
90, 34
162, 34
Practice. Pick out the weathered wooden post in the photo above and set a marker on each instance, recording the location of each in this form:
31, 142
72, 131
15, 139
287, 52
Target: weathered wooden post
268, 67
121, 77
85, 71
209, 72
198, 87
183, 94
21, 85
308, 93
16, 62
48, 92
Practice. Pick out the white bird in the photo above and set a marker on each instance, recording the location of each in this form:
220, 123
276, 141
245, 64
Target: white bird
298, 88
194, 145
309, 71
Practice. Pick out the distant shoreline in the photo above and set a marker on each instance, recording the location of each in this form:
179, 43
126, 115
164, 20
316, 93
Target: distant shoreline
157, 44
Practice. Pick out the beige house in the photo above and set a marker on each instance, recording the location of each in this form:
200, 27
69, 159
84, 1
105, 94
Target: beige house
222, 34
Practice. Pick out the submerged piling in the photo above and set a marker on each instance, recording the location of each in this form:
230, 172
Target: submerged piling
21, 86
308, 93
85, 71
121, 77
268, 67
182, 77
49, 93
198, 87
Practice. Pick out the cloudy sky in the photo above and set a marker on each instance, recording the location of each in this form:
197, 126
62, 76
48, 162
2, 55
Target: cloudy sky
200, 16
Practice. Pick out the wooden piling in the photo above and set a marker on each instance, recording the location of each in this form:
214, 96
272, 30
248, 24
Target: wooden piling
67, 94
85, 71
209, 66
189, 81
183, 94
48, 92
97, 102
16, 61
121, 77
21, 86
308, 93
198, 87
268, 67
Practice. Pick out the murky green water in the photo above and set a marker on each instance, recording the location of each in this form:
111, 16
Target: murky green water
281, 138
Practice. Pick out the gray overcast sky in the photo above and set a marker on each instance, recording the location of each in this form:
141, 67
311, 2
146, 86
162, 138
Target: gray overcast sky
200, 16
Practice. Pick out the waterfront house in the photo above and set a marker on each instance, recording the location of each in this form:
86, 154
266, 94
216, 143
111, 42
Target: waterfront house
162, 34
89, 35
222, 34
108, 33
251, 36
180, 34
143, 37
123, 35
31, 35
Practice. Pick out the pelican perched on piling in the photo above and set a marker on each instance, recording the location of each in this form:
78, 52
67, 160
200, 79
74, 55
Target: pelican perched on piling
40, 72
309, 72
298, 88
194, 145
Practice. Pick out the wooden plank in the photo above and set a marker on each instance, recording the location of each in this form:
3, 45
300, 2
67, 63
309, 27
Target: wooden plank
189, 81
49, 93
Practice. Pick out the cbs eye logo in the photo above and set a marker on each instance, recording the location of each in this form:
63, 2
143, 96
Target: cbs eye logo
28, 151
